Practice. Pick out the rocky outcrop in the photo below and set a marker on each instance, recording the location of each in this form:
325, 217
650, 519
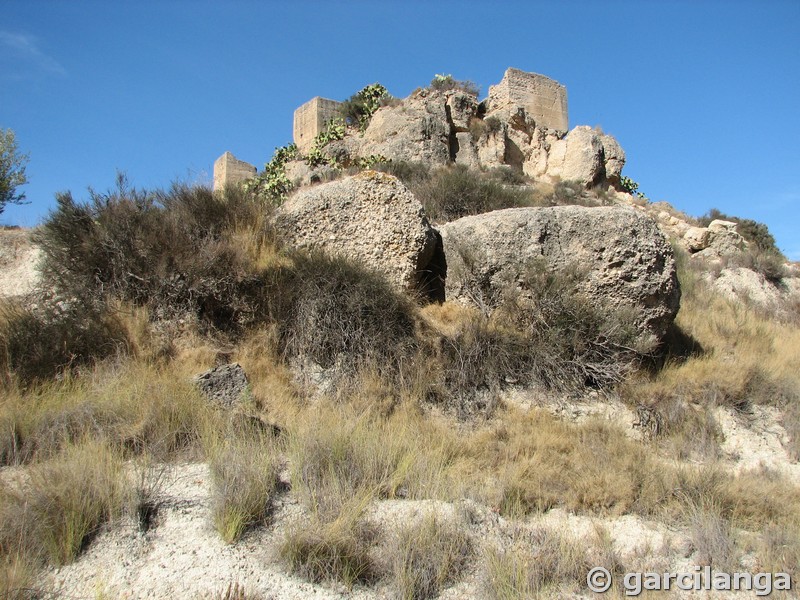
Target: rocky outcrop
745, 285
724, 239
578, 157
371, 218
522, 124
416, 130
628, 262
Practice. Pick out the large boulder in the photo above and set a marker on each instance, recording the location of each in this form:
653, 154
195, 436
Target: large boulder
628, 262
578, 157
613, 157
370, 217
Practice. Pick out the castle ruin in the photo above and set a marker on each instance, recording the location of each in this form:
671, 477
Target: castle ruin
229, 169
310, 120
544, 99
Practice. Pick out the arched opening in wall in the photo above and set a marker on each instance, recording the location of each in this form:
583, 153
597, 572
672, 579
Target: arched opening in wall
432, 276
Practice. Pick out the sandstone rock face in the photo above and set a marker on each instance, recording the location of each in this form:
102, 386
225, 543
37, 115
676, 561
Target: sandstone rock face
696, 238
225, 385
578, 157
522, 124
629, 263
370, 217
461, 107
723, 240
18, 260
739, 283
416, 130
614, 158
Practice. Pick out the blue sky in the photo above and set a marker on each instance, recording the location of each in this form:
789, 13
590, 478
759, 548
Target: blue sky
704, 96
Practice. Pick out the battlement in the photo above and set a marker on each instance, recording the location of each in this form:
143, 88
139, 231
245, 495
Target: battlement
310, 120
544, 99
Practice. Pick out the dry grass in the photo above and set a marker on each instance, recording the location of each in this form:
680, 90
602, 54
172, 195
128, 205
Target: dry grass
337, 453
538, 462
546, 561
747, 358
139, 407
338, 550
64, 503
244, 474
17, 576
425, 557
712, 536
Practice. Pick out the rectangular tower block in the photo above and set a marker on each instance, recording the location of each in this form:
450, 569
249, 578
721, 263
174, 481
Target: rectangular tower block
311, 119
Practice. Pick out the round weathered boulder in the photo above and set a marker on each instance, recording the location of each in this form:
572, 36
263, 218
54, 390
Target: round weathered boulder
625, 260
370, 217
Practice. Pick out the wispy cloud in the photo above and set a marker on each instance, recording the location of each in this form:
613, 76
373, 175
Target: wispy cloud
23, 49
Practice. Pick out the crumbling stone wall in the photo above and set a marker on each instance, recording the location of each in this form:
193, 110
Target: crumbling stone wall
544, 99
311, 118
229, 169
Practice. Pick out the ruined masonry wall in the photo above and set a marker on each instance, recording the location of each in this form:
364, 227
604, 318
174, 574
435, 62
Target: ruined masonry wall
543, 98
229, 169
311, 118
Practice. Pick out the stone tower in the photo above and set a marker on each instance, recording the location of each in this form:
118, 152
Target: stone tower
229, 169
311, 118
544, 99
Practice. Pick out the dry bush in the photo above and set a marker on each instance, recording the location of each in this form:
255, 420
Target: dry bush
778, 548
712, 536
457, 191
179, 251
52, 338
340, 309
546, 561
335, 551
548, 334
244, 475
64, 504
424, 558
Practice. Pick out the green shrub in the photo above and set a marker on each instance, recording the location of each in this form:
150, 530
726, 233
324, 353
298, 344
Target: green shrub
359, 108
628, 185
272, 184
770, 263
753, 232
